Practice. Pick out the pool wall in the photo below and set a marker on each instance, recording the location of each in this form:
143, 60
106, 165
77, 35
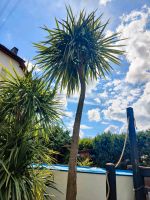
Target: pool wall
92, 186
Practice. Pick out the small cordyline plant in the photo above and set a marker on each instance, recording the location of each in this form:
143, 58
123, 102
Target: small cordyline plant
28, 110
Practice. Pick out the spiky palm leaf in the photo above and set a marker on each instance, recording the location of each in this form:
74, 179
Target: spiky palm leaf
27, 110
77, 42
19, 180
27, 101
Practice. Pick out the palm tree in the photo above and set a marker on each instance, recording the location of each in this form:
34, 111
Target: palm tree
27, 112
27, 101
19, 179
76, 50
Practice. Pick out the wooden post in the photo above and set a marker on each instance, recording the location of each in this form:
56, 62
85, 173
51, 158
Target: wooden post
137, 178
111, 180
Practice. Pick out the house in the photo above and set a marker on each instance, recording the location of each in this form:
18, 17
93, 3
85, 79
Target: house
9, 59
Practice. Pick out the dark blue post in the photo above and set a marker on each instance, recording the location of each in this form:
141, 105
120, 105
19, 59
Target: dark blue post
137, 178
111, 191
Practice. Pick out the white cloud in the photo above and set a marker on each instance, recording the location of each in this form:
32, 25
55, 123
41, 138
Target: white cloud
123, 129
94, 115
68, 114
135, 92
116, 82
89, 103
30, 66
91, 86
97, 100
138, 98
121, 98
75, 100
81, 134
104, 2
69, 126
114, 112
103, 95
142, 109
62, 96
112, 129
134, 27
104, 122
111, 85
108, 33
85, 127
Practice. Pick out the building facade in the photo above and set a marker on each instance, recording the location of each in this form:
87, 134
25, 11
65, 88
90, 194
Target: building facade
10, 60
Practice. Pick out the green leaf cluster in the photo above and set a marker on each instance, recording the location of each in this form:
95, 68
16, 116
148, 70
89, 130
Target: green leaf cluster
60, 141
79, 42
107, 147
28, 102
28, 110
84, 162
85, 143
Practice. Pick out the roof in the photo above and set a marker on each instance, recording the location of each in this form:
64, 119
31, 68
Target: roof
14, 56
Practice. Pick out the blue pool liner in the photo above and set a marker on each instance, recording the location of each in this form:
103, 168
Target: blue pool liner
91, 170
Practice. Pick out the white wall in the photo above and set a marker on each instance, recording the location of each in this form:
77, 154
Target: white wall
93, 186
9, 63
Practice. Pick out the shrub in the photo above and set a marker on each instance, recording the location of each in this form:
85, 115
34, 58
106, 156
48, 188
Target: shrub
28, 110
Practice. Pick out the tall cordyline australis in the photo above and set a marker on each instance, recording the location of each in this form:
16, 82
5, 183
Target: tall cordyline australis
75, 51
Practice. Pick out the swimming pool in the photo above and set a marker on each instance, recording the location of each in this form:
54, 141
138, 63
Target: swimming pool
91, 170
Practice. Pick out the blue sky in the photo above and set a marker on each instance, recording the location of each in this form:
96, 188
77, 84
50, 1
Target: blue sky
106, 100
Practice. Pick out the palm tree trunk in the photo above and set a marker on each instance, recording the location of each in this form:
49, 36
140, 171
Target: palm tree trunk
72, 174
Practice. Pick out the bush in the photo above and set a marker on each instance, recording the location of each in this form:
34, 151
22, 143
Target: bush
84, 162
18, 178
85, 143
60, 141
28, 110
107, 147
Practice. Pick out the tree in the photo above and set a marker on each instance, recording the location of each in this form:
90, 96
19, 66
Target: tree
60, 140
76, 51
19, 179
28, 102
86, 144
27, 111
143, 139
107, 147
118, 143
103, 148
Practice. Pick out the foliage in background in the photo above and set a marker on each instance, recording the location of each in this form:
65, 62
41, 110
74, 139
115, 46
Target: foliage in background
107, 147
85, 143
144, 147
85, 162
28, 110
60, 141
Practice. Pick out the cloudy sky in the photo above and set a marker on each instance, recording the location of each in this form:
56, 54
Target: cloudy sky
107, 99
